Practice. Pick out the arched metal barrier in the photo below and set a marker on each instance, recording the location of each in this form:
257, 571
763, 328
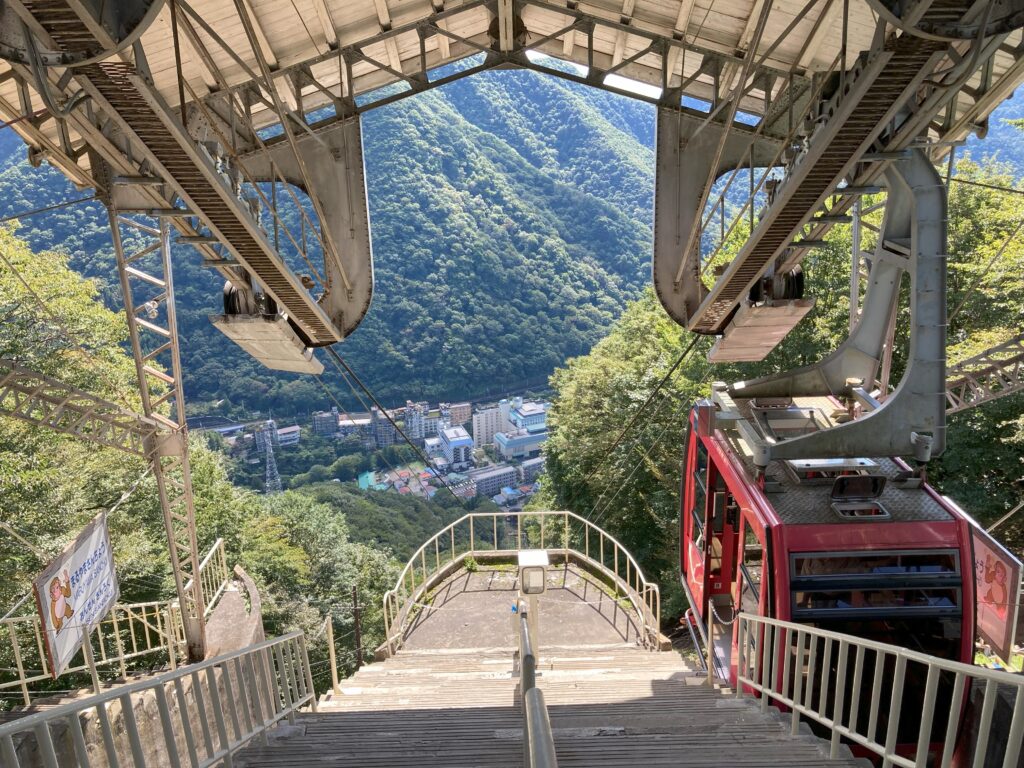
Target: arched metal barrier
488, 534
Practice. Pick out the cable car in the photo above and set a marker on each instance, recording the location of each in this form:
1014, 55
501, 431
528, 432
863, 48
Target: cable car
859, 546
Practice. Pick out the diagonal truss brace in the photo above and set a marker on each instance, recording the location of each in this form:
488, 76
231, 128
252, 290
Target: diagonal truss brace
994, 373
45, 401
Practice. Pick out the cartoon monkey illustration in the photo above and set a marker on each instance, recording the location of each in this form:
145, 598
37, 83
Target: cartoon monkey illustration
997, 593
60, 608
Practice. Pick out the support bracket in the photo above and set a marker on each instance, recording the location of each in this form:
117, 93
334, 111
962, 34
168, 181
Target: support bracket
911, 420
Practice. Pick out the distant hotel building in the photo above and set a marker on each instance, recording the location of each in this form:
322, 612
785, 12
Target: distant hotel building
457, 446
288, 435
459, 414
490, 480
527, 430
486, 423
354, 424
420, 421
325, 422
531, 469
384, 433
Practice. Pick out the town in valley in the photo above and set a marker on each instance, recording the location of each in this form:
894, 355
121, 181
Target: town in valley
491, 451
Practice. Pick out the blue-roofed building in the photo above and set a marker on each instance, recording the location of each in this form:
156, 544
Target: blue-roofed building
529, 416
528, 430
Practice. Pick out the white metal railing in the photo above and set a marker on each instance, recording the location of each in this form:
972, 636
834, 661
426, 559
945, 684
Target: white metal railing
214, 576
865, 692
563, 533
128, 632
207, 712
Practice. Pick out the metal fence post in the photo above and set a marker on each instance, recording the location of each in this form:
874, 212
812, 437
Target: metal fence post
358, 627
120, 645
711, 651
567, 542
17, 663
331, 653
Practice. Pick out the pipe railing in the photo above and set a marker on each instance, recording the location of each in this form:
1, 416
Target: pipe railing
206, 713
538, 739
480, 534
128, 632
901, 705
214, 575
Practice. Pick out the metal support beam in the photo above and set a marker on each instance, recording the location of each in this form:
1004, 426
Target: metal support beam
323, 13
911, 421
681, 158
48, 402
337, 186
153, 330
994, 373
679, 31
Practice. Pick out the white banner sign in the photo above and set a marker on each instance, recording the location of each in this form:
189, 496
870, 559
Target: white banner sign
75, 591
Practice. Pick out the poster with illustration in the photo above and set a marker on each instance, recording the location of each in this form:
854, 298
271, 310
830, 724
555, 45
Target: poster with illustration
997, 591
75, 591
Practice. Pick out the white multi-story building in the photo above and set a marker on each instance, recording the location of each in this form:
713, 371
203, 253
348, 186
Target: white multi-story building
420, 421
490, 480
486, 423
457, 446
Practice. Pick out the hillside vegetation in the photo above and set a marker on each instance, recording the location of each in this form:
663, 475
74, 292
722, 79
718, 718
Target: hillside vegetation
511, 220
300, 551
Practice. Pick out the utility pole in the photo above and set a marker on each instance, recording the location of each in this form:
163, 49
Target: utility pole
359, 633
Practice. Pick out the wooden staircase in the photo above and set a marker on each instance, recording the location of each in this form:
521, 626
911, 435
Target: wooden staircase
610, 705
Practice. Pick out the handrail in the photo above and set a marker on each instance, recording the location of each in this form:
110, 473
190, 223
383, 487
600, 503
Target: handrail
779, 659
214, 575
571, 534
538, 739
218, 706
129, 631
527, 656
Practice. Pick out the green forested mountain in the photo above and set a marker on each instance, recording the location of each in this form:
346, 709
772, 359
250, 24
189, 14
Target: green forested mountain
511, 220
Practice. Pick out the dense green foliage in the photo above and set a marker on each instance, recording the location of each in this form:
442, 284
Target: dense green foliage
316, 459
298, 550
401, 523
633, 489
511, 219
